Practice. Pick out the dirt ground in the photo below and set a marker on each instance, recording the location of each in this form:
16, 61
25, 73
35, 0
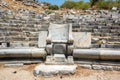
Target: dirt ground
26, 73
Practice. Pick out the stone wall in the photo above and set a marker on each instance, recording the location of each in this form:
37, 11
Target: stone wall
21, 30
105, 29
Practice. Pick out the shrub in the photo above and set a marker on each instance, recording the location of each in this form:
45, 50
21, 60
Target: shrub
53, 7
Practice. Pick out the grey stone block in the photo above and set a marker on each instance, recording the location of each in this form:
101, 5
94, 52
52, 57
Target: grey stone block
97, 67
42, 38
116, 68
14, 65
87, 66
59, 57
103, 45
70, 49
59, 32
50, 70
82, 39
49, 49
70, 60
109, 68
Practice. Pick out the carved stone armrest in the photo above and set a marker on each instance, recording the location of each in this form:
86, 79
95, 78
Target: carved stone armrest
70, 40
70, 49
49, 49
49, 39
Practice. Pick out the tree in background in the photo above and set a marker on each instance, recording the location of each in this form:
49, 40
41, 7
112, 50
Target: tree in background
70, 4
93, 2
75, 4
105, 4
53, 7
118, 3
82, 5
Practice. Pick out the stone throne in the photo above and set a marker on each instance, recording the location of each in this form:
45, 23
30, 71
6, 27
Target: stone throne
59, 44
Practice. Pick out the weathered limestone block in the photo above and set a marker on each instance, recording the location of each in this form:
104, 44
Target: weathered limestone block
70, 49
59, 57
82, 39
42, 38
59, 32
87, 66
50, 70
70, 60
97, 67
14, 65
59, 49
49, 49
106, 67
117, 68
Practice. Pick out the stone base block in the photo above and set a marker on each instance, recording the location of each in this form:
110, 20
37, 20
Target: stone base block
59, 59
50, 70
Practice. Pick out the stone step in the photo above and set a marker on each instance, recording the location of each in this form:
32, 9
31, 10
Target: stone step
59, 59
50, 70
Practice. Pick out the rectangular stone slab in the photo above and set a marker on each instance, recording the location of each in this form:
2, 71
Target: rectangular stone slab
59, 57
50, 70
59, 32
42, 39
82, 39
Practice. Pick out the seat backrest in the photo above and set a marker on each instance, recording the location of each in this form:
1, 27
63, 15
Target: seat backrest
59, 32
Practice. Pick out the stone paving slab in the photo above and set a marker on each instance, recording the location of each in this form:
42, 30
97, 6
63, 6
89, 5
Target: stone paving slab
50, 70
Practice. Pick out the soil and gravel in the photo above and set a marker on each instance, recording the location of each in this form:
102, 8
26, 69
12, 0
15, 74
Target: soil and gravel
26, 73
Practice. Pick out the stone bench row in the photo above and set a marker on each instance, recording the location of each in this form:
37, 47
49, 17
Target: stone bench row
18, 38
98, 26
105, 46
20, 29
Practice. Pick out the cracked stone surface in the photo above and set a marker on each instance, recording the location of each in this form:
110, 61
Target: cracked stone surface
50, 70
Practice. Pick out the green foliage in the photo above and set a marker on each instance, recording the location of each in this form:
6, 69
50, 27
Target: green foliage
68, 4
75, 5
93, 2
82, 5
102, 5
118, 3
53, 7
107, 4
